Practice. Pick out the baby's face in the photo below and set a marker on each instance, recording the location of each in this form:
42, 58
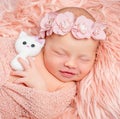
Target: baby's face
69, 59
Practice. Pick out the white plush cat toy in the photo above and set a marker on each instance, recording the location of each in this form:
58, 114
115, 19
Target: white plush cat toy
25, 46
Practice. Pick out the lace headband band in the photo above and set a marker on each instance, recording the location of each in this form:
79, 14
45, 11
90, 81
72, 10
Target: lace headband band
63, 23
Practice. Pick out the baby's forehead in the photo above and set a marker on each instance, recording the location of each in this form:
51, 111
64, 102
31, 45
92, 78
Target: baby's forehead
70, 37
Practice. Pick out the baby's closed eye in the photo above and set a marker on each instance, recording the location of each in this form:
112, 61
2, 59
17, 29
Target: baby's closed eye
59, 53
85, 59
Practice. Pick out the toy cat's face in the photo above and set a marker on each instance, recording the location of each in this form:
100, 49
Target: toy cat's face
28, 44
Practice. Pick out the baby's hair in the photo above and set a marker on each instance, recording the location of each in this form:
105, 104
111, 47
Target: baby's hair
76, 11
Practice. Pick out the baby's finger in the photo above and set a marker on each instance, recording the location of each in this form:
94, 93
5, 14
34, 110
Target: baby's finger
31, 61
17, 73
19, 81
23, 63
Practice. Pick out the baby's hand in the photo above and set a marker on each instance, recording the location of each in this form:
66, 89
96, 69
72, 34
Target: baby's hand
30, 76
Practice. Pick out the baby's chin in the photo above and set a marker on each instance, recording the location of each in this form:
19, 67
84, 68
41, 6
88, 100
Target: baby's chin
65, 79
69, 79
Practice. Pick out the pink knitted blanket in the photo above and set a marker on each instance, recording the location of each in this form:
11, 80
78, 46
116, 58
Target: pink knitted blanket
20, 101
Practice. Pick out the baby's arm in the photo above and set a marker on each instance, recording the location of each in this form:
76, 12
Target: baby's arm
39, 103
30, 76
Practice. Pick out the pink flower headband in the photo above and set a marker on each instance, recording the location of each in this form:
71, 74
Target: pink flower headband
63, 23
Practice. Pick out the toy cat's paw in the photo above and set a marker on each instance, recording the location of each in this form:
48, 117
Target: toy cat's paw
16, 65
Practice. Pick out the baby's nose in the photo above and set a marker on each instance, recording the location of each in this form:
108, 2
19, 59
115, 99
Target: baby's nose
71, 63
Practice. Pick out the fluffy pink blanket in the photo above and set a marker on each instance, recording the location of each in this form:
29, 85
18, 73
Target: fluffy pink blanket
98, 95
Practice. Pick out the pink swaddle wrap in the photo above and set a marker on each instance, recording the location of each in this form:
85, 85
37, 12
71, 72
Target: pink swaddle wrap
20, 101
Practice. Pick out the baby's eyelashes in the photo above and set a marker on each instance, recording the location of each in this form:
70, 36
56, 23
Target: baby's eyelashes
59, 53
85, 59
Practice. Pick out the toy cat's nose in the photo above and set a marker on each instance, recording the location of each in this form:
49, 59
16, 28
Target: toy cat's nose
27, 46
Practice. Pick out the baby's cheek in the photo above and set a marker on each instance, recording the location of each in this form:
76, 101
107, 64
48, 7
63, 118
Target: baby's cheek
85, 68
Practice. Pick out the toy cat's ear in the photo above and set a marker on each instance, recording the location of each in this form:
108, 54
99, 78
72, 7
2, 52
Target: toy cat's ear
42, 41
22, 33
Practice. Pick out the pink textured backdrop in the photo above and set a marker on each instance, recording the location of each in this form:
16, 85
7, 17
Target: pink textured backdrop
100, 90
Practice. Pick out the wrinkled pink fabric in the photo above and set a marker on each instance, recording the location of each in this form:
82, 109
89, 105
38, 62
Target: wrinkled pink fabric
18, 101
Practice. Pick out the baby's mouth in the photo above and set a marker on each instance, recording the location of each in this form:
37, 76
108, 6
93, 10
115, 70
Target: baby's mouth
67, 74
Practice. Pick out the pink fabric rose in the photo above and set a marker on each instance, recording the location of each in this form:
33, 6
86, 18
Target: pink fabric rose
46, 24
63, 23
82, 27
98, 31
